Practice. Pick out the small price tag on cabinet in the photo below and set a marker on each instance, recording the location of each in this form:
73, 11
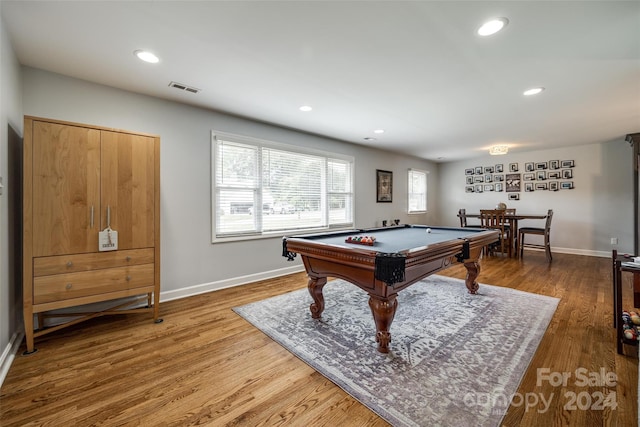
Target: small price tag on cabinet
107, 240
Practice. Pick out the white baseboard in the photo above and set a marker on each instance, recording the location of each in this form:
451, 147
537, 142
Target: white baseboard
228, 283
8, 354
574, 251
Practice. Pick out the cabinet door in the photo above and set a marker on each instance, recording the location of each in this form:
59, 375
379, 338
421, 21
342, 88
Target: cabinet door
128, 188
66, 179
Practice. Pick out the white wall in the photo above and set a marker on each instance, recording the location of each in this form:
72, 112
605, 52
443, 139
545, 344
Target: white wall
585, 219
189, 259
10, 116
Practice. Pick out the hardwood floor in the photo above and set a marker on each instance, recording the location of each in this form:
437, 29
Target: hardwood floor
206, 365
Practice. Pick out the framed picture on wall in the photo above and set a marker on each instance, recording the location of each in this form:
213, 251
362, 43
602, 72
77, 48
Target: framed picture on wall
514, 196
513, 182
566, 185
553, 186
553, 174
499, 168
567, 164
541, 166
384, 186
554, 164
468, 171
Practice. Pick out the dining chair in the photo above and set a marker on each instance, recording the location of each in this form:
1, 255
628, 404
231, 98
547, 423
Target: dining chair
511, 224
462, 214
545, 232
495, 219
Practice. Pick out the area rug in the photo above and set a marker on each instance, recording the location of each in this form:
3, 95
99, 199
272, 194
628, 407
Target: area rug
456, 359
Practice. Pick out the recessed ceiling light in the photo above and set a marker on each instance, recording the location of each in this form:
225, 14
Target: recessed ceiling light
368, 138
493, 26
533, 91
146, 56
378, 131
305, 108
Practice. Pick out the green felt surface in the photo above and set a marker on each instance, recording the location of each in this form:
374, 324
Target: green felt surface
400, 239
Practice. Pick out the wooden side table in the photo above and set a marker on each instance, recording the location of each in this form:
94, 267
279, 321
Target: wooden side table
618, 268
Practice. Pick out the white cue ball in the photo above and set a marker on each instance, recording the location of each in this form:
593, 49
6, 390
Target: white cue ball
428, 230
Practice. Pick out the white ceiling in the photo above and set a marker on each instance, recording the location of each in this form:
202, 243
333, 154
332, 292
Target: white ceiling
415, 69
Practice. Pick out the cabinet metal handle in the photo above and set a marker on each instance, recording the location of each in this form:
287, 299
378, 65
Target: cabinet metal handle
91, 216
69, 264
128, 278
108, 216
68, 286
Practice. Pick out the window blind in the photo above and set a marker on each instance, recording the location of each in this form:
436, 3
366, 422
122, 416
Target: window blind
417, 191
261, 187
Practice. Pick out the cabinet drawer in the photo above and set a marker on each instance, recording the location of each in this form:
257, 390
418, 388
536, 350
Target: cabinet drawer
45, 266
75, 285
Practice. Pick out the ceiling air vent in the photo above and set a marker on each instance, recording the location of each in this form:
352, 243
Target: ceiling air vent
184, 87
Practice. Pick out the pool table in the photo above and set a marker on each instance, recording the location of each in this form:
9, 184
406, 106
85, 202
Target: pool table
399, 257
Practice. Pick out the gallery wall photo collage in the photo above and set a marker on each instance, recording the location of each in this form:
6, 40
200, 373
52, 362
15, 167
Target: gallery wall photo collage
552, 175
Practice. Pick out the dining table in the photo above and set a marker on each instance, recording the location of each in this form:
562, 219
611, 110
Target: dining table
513, 223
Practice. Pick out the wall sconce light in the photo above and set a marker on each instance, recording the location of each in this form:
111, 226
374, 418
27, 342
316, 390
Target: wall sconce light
498, 150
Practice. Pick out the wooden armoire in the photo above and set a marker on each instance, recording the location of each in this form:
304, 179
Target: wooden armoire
80, 180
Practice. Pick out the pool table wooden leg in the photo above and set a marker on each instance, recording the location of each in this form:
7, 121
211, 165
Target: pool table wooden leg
473, 269
315, 286
384, 310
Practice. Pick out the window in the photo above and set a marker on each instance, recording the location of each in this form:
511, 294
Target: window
265, 188
417, 191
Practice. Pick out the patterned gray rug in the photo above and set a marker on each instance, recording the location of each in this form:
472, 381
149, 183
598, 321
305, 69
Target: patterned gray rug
456, 359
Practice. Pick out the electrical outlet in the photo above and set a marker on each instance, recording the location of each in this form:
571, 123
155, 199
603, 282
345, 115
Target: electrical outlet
614, 240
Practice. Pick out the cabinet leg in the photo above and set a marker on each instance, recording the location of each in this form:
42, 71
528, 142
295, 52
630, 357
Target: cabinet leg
28, 332
620, 345
156, 307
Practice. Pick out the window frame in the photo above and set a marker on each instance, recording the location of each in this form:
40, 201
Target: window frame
410, 171
293, 149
